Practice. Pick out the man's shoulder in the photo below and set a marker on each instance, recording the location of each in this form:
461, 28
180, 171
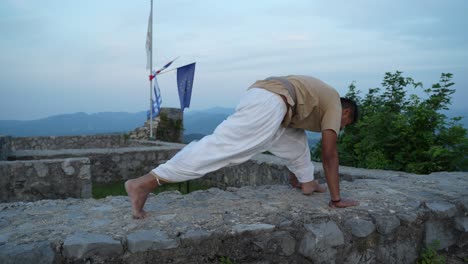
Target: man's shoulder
311, 82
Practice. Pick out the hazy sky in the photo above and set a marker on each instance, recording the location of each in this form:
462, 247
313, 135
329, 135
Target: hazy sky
60, 56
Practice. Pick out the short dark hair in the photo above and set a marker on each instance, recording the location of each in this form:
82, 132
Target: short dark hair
348, 103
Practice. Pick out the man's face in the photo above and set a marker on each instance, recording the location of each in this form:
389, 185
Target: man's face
345, 118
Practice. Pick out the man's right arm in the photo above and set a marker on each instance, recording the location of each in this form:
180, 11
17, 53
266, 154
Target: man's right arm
330, 163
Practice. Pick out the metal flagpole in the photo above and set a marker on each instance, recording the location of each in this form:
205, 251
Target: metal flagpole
151, 72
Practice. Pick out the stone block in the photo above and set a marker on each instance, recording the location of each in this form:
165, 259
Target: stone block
360, 228
67, 167
407, 218
150, 240
280, 242
40, 253
252, 228
319, 241
84, 245
442, 209
386, 224
195, 235
404, 251
439, 231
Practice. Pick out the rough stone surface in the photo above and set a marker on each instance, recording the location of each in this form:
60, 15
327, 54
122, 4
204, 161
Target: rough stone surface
39, 252
45, 179
252, 228
83, 245
461, 224
70, 142
319, 241
360, 227
441, 231
442, 209
108, 164
386, 224
147, 240
5, 147
280, 242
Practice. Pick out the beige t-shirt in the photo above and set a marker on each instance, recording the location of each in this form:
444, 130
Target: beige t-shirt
318, 104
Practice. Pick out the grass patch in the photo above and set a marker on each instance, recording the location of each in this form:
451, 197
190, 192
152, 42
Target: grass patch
117, 188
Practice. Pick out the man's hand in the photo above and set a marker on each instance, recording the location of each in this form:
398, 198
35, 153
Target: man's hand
343, 203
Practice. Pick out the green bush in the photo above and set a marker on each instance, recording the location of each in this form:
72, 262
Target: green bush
397, 131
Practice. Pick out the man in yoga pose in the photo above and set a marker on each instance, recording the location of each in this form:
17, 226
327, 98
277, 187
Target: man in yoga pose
272, 116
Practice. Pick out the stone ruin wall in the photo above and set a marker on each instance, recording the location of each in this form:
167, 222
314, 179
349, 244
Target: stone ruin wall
171, 134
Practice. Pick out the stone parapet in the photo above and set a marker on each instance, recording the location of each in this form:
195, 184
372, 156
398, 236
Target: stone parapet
45, 179
396, 218
71, 142
110, 164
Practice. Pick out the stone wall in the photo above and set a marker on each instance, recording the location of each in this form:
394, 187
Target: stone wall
168, 126
398, 215
70, 142
4, 147
111, 164
45, 179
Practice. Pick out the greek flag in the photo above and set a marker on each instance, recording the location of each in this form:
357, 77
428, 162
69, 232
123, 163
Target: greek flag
156, 103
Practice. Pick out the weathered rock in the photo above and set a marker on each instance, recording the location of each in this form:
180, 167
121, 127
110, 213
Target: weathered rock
148, 240
84, 245
319, 241
39, 252
407, 218
360, 227
252, 228
386, 224
405, 251
442, 209
195, 235
281, 243
440, 231
461, 224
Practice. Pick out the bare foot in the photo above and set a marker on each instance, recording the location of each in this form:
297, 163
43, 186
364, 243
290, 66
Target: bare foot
343, 203
137, 195
313, 186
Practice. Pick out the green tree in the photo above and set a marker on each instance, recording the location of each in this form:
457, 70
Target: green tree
397, 131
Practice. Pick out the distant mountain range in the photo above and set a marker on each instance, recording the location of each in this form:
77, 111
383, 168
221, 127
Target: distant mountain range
197, 123
74, 124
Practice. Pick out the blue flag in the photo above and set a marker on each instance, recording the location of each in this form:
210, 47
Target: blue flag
184, 83
156, 103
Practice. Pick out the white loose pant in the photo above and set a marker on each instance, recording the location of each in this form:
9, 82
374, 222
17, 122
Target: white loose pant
254, 127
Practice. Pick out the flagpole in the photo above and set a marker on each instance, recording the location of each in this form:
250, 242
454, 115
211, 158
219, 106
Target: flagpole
151, 72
